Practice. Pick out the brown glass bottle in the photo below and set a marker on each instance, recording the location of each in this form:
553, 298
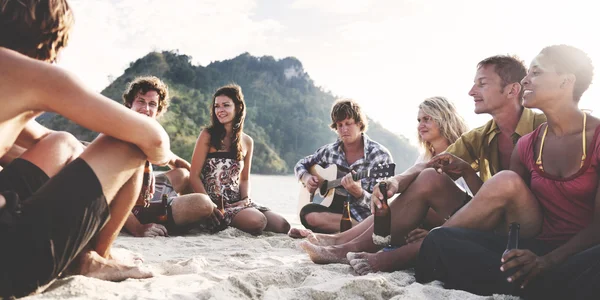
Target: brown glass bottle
513, 243
145, 195
513, 237
221, 204
346, 221
165, 215
382, 220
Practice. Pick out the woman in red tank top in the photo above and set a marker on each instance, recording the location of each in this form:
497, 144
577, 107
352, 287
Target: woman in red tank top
551, 189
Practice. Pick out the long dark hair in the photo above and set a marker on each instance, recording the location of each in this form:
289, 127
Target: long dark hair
217, 129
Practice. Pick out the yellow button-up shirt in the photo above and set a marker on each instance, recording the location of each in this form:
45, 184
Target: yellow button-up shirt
479, 147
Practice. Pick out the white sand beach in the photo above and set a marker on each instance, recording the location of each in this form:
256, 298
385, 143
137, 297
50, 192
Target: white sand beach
236, 265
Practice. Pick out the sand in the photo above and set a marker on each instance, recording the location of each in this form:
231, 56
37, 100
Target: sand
236, 265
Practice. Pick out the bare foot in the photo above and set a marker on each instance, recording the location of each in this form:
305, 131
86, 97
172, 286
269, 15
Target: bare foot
299, 233
324, 255
96, 266
322, 239
318, 239
384, 261
124, 256
363, 263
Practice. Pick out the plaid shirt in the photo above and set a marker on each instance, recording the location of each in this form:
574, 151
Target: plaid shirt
374, 154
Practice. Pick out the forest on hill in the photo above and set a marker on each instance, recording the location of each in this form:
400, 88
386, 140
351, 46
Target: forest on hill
287, 114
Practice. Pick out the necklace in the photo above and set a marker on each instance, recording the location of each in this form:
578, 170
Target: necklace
538, 162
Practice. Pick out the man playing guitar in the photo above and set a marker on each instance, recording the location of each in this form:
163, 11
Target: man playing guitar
353, 151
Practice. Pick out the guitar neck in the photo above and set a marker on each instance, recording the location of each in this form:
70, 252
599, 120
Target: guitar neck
358, 176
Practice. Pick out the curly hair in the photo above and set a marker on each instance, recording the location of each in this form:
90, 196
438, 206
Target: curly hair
571, 60
510, 68
217, 129
36, 28
343, 109
143, 85
450, 123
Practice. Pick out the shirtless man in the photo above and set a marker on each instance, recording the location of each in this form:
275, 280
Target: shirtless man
56, 206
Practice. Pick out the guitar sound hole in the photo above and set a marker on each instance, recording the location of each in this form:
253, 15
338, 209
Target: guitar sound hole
323, 188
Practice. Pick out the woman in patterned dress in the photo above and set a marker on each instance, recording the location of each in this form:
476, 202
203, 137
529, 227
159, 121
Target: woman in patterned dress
221, 168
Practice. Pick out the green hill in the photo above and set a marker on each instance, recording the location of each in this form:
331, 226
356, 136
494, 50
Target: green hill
287, 116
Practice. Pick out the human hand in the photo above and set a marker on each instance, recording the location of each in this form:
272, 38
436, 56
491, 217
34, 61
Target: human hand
217, 215
527, 264
152, 189
311, 183
376, 197
151, 230
179, 162
449, 164
143, 200
416, 235
353, 187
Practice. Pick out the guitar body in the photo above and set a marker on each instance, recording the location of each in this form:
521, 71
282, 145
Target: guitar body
328, 181
324, 174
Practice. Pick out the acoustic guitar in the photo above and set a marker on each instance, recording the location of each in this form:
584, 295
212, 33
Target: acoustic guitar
328, 181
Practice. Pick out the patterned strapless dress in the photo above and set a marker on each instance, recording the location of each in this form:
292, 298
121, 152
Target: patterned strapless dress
221, 177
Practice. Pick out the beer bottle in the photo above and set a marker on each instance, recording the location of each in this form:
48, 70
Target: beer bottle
162, 219
513, 243
513, 237
221, 203
145, 196
383, 220
346, 222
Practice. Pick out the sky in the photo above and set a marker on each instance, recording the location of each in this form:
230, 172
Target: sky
387, 55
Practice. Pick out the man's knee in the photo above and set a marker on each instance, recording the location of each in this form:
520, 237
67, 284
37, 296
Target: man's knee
507, 183
179, 178
65, 143
430, 182
178, 174
109, 146
191, 208
313, 219
203, 206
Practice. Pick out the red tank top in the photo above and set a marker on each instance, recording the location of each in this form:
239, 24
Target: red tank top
567, 203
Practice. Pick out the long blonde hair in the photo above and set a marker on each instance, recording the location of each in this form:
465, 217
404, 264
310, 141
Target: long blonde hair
444, 113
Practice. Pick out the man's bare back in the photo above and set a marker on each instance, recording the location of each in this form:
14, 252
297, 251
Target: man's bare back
30, 87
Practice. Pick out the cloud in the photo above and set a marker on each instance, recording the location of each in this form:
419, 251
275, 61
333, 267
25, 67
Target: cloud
109, 35
342, 7
386, 54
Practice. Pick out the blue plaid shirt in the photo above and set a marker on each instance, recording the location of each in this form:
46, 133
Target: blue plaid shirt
374, 154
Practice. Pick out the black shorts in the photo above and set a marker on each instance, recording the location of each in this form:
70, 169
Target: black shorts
150, 214
336, 207
48, 223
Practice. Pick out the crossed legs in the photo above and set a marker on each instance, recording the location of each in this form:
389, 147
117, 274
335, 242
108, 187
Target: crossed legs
409, 210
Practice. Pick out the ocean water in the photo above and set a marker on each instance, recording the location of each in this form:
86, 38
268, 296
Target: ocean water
279, 193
